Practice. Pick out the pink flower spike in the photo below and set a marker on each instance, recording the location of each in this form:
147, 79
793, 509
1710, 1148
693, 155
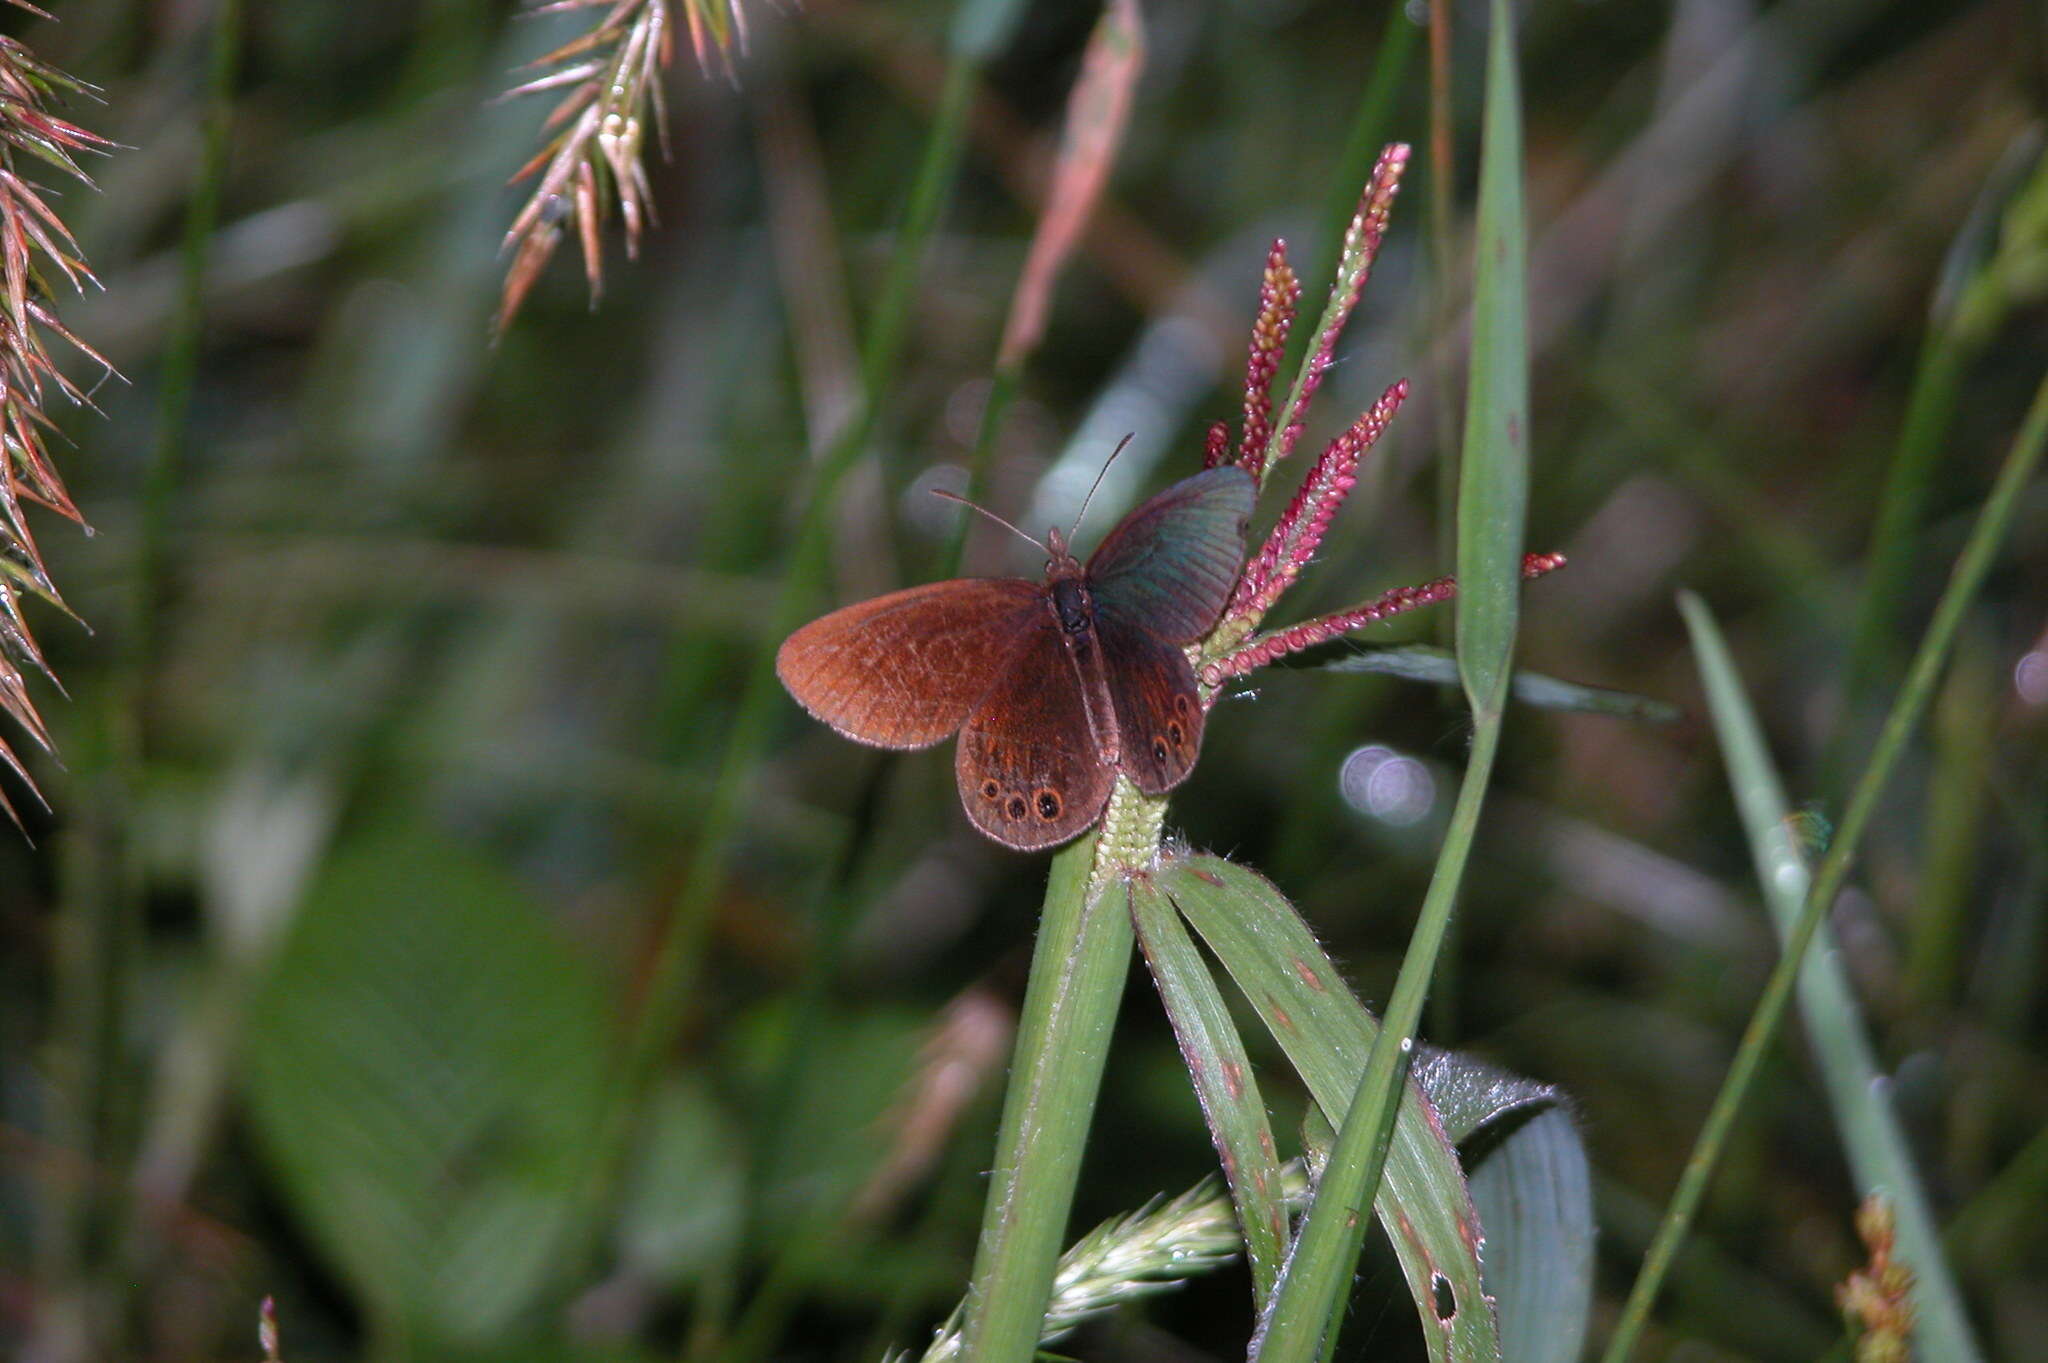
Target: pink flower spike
1267, 648
1218, 448
1300, 529
1279, 297
1361, 244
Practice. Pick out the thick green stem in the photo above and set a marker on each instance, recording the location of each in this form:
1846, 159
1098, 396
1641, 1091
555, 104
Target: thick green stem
1077, 981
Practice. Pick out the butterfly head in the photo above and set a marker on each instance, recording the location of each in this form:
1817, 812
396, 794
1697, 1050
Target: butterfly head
1062, 562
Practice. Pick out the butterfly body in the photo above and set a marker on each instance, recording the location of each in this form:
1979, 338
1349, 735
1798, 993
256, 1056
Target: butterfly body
1055, 687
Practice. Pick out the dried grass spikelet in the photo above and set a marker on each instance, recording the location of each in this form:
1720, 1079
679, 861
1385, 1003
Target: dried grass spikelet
35, 246
594, 159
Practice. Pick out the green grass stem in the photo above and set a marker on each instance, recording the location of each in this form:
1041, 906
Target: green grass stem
1858, 1091
181, 345
1492, 495
1906, 710
979, 24
1371, 128
1078, 969
1313, 1287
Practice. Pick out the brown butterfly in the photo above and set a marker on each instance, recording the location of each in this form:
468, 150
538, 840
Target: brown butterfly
1054, 687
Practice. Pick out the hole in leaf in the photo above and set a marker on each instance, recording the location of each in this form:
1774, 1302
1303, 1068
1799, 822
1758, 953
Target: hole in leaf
1446, 1300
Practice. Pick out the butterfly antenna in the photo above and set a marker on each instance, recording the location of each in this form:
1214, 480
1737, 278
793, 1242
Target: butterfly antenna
1097, 483
976, 506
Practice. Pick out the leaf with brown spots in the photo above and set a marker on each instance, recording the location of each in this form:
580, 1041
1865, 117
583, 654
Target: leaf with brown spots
1325, 1032
1229, 1094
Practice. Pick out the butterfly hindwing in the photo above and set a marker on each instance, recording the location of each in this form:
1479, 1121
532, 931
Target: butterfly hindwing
904, 670
1029, 765
1158, 710
1169, 566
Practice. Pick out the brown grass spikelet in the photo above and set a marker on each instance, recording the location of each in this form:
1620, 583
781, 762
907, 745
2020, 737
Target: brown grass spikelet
594, 158
1877, 1298
35, 247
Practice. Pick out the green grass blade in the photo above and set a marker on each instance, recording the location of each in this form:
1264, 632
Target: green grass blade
1493, 489
1911, 703
1223, 1079
1077, 981
1370, 124
1306, 1309
1425, 663
1857, 1088
1327, 1035
1492, 500
182, 346
979, 25
1969, 304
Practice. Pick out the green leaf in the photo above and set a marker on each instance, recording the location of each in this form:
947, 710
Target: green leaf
681, 1212
1470, 1095
1493, 487
425, 1071
1423, 663
1326, 1033
1529, 1178
1222, 1074
1857, 1088
1526, 1169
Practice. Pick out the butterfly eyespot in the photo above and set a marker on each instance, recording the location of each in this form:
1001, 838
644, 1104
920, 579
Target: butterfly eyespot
1016, 807
1181, 705
1048, 805
1158, 748
990, 790
1175, 732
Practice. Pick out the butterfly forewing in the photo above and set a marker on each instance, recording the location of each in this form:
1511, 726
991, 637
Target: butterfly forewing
1029, 765
1158, 711
904, 670
1168, 567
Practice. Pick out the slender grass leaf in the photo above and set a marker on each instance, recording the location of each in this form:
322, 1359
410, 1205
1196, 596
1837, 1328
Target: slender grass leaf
1425, 663
1326, 1034
1857, 1088
1223, 1078
1493, 486
1301, 1322
1911, 703
1977, 289
1492, 501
